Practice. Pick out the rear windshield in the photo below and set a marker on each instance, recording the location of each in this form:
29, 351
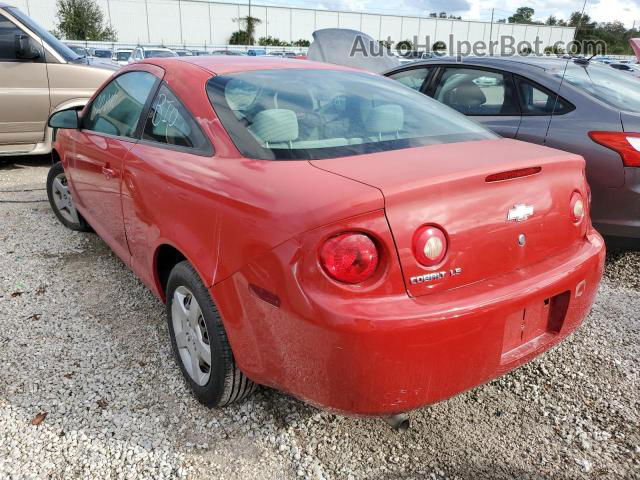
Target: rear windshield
313, 114
615, 88
122, 56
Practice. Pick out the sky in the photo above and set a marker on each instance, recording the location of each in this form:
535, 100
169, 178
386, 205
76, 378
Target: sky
599, 10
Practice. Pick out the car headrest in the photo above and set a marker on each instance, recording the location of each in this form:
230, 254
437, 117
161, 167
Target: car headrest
385, 119
275, 125
293, 98
468, 94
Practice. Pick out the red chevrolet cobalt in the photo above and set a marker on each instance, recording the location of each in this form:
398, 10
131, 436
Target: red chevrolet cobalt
327, 232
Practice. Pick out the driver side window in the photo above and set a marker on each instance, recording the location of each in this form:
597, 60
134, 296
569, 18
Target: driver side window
8, 33
117, 108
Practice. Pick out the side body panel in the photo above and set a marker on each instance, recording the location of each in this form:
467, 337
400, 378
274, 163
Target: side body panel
222, 211
70, 81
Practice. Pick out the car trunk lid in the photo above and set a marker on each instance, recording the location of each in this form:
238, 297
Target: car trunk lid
446, 185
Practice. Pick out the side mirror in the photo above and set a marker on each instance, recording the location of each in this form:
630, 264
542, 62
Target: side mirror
25, 48
64, 119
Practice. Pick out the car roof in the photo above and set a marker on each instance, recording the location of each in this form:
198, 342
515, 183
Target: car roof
222, 64
543, 63
524, 64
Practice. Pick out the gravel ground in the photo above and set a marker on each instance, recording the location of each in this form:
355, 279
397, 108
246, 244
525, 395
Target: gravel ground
82, 341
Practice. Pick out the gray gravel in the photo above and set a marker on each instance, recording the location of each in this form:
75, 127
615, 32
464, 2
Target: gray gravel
83, 341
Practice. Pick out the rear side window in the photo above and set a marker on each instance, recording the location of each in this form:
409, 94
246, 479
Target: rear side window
537, 100
474, 91
170, 123
117, 108
413, 78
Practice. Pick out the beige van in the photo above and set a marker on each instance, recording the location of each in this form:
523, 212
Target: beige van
38, 75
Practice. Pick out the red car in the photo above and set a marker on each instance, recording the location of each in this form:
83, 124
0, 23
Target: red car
327, 232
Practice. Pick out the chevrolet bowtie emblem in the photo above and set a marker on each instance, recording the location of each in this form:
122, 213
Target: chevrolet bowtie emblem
520, 212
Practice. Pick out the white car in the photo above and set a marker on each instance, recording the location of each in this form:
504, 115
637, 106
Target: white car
122, 56
140, 53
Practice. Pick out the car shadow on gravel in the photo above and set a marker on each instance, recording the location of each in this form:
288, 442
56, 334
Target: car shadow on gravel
24, 161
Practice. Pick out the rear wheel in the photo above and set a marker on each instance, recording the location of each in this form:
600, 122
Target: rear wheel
61, 201
200, 343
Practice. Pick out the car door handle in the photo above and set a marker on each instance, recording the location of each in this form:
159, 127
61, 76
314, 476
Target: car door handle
108, 172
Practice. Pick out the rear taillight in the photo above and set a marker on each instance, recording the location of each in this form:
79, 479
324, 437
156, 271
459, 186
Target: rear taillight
625, 144
511, 174
576, 207
350, 257
429, 245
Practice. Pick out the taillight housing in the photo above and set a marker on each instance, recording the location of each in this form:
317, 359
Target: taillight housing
627, 145
429, 245
350, 257
576, 207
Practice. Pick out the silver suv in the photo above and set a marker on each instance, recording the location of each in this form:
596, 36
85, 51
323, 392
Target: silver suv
39, 75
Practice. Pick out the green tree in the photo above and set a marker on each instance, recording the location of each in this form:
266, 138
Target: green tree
302, 43
270, 41
404, 46
82, 20
246, 34
522, 15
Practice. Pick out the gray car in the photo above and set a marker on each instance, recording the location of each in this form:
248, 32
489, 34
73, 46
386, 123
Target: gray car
585, 108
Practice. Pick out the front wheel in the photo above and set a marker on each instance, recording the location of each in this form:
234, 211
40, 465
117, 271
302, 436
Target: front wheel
61, 201
200, 342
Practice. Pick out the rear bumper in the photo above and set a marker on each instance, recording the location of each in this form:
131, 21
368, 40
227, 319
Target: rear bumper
393, 354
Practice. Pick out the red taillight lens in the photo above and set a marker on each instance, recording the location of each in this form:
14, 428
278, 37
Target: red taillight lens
429, 245
577, 207
626, 144
350, 257
511, 174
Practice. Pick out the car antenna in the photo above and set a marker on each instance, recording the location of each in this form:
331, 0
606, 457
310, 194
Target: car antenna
583, 61
564, 73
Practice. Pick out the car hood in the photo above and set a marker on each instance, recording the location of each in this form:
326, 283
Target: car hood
98, 63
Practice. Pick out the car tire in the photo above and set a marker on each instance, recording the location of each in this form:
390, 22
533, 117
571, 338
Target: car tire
195, 330
61, 201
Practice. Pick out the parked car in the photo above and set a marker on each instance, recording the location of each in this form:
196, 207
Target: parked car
38, 75
594, 112
101, 53
181, 52
122, 56
80, 51
140, 53
328, 232
229, 52
256, 52
627, 68
282, 54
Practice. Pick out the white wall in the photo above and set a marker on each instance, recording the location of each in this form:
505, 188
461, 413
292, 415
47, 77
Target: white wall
201, 22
